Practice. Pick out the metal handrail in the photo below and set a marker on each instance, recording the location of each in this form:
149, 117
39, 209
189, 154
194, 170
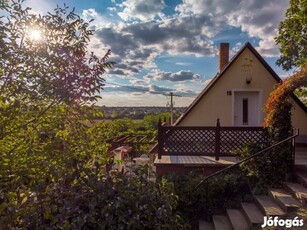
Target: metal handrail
246, 159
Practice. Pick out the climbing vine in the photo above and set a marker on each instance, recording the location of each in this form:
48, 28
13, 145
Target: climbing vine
278, 106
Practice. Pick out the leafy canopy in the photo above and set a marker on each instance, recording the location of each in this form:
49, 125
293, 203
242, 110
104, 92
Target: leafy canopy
45, 81
292, 36
52, 165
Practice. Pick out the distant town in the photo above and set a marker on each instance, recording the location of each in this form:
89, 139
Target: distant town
112, 113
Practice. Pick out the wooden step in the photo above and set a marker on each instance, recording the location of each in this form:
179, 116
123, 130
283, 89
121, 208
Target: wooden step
286, 201
237, 219
299, 191
301, 175
268, 206
203, 225
253, 213
221, 222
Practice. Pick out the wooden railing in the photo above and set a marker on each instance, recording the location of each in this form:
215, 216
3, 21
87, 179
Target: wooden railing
207, 140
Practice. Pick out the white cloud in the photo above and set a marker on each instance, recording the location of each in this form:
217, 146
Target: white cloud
258, 18
99, 20
41, 8
183, 63
111, 9
141, 9
138, 81
180, 76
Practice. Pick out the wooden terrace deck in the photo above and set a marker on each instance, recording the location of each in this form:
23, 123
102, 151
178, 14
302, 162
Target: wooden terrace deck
300, 159
208, 163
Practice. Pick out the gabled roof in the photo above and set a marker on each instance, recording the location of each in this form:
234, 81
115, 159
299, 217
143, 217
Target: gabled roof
218, 76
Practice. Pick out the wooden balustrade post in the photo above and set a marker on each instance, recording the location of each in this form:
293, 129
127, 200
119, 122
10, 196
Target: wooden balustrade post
217, 140
160, 139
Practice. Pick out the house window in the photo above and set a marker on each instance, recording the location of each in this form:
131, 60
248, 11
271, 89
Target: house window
245, 111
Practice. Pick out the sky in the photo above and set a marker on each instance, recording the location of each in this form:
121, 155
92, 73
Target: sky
163, 46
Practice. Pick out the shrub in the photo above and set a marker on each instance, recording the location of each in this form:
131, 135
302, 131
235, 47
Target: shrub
224, 191
118, 202
265, 170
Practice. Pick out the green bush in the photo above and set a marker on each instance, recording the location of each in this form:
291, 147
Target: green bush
224, 191
266, 170
118, 202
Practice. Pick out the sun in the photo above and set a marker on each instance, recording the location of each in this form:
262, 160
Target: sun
35, 34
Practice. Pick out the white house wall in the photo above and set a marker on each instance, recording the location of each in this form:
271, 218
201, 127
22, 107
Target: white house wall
217, 104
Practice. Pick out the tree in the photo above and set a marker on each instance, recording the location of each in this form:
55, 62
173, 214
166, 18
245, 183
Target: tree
293, 40
292, 36
47, 75
52, 164
302, 94
150, 121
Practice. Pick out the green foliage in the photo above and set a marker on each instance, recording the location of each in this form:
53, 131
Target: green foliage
292, 39
53, 163
54, 69
150, 122
301, 93
278, 106
265, 170
44, 85
292, 36
98, 203
223, 191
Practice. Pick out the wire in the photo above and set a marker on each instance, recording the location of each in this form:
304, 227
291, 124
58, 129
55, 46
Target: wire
146, 91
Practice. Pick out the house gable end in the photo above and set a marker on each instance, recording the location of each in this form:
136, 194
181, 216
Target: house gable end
220, 75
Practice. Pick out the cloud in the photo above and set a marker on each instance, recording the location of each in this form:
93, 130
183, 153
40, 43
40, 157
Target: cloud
159, 89
182, 75
142, 42
42, 8
190, 31
178, 35
124, 69
145, 40
183, 63
140, 89
258, 18
99, 20
138, 81
184, 90
126, 88
116, 72
112, 9
141, 9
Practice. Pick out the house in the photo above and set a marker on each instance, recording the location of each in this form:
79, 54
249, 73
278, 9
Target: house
236, 96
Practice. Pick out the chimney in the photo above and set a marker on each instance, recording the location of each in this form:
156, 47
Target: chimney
224, 55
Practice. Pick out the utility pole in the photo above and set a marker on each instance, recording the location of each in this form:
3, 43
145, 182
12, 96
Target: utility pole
171, 105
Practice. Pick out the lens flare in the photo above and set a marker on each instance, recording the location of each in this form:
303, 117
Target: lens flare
35, 35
